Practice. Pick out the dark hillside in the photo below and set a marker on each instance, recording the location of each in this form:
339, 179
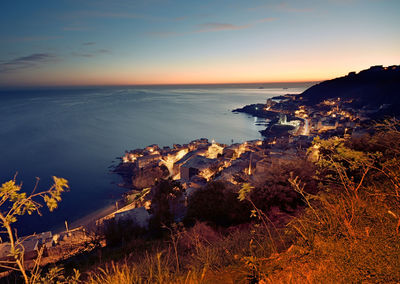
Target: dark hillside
375, 88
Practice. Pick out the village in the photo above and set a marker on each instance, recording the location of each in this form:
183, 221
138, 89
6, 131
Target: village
195, 164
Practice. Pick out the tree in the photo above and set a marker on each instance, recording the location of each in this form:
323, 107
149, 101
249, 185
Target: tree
14, 203
272, 188
166, 194
339, 163
217, 204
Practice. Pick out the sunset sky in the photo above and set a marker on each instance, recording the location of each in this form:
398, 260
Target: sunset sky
98, 42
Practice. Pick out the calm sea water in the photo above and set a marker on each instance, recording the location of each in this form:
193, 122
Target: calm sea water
78, 133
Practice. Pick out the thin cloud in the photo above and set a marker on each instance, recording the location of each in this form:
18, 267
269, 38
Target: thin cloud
90, 54
88, 43
26, 62
211, 27
80, 54
216, 27
121, 15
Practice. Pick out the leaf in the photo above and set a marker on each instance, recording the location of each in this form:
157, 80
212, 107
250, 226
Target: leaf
9, 187
244, 191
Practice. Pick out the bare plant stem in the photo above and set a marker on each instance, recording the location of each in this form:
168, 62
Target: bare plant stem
18, 259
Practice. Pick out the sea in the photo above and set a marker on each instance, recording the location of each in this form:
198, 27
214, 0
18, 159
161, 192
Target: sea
79, 133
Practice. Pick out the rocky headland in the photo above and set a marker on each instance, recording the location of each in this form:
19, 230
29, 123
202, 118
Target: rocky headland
333, 107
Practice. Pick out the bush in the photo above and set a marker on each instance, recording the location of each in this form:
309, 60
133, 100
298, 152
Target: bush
217, 205
274, 190
350, 230
119, 232
166, 194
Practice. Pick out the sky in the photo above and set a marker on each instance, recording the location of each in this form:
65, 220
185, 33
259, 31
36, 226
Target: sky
121, 42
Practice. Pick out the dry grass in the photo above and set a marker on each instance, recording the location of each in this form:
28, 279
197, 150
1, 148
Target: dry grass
205, 256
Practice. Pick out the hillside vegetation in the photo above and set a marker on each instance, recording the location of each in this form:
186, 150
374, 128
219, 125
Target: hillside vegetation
332, 217
346, 232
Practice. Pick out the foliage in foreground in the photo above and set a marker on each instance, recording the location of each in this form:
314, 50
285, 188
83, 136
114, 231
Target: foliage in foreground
14, 203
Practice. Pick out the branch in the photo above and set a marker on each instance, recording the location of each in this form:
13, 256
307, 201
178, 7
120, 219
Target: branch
362, 179
9, 267
36, 185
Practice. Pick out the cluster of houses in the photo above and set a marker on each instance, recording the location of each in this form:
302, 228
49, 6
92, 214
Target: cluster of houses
47, 244
335, 116
193, 165
30, 244
330, 117
199, 162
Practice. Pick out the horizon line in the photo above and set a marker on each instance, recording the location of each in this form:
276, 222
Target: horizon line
155, 84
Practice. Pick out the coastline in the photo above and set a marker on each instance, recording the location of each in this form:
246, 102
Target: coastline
88, 221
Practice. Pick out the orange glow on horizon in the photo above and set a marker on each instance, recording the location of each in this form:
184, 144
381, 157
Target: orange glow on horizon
207, 75
172, 80
157, 83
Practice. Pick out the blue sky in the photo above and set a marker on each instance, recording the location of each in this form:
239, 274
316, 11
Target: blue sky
88, 42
